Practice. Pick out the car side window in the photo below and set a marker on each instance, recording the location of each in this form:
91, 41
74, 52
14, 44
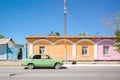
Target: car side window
37, 57
44, 57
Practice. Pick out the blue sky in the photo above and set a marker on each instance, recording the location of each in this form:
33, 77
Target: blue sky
19, 18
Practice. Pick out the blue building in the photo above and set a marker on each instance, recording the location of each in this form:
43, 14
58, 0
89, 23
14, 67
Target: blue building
11, 51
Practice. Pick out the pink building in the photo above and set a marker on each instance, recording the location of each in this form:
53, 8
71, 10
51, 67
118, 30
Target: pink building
106, 50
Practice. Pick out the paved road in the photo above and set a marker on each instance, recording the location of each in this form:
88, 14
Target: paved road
71, 73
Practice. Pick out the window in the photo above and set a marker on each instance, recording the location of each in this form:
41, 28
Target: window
42, 50
105, 50
84, 50
44, 57
37, 57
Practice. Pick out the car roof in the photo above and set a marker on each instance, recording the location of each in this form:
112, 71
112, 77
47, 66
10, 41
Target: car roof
39, 54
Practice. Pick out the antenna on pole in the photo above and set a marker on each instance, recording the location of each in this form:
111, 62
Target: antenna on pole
65, 51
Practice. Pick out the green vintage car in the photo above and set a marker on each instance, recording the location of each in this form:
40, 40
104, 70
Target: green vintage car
41, 60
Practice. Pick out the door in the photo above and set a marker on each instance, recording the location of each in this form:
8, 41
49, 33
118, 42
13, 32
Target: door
45, 61
42, 61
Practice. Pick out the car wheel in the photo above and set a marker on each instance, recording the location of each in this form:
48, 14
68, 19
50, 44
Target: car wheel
30, 66
57, 66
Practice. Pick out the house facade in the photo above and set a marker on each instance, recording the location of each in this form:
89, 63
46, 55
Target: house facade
5, 45
11, 51
78, 47
106, 50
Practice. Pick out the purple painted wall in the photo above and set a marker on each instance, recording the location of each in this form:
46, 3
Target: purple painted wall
113, 55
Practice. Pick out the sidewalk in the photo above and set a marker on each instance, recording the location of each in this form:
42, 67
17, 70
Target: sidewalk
94, 63
81, 63
10, 63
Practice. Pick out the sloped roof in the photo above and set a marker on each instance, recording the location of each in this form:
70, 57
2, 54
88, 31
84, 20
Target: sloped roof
4, 40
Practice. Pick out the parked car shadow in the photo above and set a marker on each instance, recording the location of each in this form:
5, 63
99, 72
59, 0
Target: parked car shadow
47, 68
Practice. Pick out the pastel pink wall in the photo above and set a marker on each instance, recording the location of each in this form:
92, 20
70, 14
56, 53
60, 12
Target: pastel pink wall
113, 55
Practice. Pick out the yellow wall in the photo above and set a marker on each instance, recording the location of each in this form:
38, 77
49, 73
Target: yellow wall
57, 50
90, 55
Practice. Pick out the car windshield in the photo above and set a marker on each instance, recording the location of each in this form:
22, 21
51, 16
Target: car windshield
30, 57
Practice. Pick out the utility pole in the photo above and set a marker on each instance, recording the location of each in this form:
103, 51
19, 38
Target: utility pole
65, 51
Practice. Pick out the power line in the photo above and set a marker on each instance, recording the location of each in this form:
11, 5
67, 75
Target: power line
77, 20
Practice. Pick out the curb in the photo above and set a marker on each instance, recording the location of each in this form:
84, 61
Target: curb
77, 65
91, 65
103, 63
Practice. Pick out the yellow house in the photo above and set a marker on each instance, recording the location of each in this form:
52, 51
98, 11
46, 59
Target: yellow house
78, 47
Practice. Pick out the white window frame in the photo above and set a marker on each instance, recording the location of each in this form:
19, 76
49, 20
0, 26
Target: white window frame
84, 48
106, 50
41, 52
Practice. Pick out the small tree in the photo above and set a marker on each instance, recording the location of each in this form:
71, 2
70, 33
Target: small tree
83, 34
54, 34
51, 33
117, 41
113, 22
57, 34
1, 36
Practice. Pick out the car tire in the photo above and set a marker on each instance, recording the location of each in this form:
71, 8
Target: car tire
30, 66
57, 66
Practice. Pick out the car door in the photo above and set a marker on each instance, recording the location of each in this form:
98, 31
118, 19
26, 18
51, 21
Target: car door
36, 60
46, 61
